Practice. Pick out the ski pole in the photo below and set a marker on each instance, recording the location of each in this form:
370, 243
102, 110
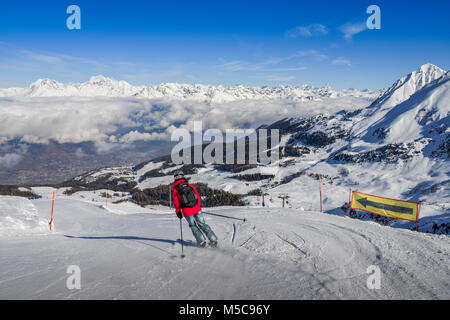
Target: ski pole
182, 247
219, 215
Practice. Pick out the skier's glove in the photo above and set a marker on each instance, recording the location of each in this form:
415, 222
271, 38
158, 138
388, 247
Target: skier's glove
179, 215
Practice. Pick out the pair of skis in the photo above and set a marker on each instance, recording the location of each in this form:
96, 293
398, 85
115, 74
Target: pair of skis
213, 214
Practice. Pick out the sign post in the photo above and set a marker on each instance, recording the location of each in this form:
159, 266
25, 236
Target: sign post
349, 201
418, 213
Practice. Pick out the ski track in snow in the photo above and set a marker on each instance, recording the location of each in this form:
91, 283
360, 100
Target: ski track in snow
277, 254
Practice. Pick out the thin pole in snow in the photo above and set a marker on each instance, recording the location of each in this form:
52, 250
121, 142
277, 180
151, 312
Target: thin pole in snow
170, 195
284, 197
51, 218
349, 201
417, 218
182, 246
320, 191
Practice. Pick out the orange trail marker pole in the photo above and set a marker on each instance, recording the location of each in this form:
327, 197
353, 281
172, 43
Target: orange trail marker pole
417, 218
350, 195
51, 218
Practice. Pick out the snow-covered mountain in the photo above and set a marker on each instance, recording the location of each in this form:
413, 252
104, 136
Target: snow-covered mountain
403, 109
108, 87
398, 151
103, 115
406, 86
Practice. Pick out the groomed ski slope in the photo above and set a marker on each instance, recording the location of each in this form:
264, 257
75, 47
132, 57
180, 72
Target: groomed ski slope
127, 252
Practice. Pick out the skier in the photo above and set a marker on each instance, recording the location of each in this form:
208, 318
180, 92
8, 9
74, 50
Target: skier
187, 203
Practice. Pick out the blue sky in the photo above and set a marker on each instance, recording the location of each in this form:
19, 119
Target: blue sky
222, 42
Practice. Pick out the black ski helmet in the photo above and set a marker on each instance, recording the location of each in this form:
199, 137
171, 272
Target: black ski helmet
178, 174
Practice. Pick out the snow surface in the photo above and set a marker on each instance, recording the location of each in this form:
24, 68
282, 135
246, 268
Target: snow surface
277, 254
20, 216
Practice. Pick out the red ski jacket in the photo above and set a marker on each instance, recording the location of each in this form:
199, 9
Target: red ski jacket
177, 201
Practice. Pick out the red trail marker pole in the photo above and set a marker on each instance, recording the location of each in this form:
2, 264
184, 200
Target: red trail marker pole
51, 218
417, 218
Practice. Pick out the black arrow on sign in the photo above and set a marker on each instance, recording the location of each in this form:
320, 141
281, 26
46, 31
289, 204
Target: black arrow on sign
365, 202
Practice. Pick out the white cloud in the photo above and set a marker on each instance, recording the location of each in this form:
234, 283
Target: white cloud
10, 160
233, 65
41, 57
290, 69
115, 123
272, 64
28, 138
105, 147
274, 78
341, 61
309, 53
79, 153
135, 135
350, 29
307, 31
279, 78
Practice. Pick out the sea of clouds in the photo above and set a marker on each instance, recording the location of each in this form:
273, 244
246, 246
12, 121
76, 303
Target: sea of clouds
114, 122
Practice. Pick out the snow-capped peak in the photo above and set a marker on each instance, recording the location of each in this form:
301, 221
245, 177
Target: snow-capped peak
42, 87
415, 107
99, 79
429, 68
100, 85
406, 86
44, 82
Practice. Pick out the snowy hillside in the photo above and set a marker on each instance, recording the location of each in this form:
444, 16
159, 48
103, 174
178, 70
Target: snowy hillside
127, 252
20, 216
405, 87
108, 87
414, 107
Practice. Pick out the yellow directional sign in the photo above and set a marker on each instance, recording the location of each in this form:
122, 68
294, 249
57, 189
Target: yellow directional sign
399, 209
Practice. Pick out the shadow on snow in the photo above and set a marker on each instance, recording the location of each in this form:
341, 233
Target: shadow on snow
142, 240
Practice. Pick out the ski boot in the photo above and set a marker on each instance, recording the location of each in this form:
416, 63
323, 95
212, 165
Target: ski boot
202, 244
213, 244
